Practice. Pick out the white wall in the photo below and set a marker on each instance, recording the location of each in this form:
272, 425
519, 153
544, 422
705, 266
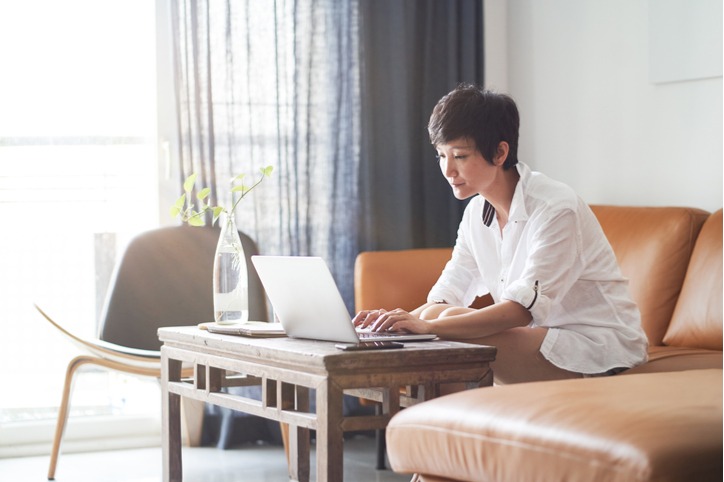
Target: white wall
590, 114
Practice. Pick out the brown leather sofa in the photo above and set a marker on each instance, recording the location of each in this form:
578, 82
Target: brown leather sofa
661, 421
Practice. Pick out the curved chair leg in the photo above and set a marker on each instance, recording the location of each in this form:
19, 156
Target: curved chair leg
74, 364
285, 438
192, 421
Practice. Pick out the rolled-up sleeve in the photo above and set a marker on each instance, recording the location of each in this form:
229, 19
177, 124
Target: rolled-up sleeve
528, 293
457, 285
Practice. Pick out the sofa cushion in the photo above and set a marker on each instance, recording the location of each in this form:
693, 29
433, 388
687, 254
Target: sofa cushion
697, 319
653, 246
674, 358
658, 426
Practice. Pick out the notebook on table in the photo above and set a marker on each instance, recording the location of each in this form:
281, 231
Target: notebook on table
260, 329
308, 304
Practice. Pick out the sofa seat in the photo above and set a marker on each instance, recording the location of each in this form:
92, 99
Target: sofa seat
596, 429
674, 358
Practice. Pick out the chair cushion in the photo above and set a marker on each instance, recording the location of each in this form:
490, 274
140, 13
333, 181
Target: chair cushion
658, 426
697, 320
652, 246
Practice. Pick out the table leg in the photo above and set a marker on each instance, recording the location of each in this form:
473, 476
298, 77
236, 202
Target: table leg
380, 442
297, 397
171, 421
330, 437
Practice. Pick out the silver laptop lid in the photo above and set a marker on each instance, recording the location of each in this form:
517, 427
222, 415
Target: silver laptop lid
305, 297
307, 302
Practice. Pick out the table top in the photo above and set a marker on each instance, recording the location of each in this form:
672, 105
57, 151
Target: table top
323, 355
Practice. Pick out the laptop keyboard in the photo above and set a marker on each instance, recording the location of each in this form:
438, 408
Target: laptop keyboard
371, 335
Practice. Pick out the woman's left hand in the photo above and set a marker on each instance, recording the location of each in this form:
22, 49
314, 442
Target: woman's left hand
400, 320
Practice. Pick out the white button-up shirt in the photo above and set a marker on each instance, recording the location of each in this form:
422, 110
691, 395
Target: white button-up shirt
553, 258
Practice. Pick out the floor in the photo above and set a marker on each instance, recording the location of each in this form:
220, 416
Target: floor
250, 463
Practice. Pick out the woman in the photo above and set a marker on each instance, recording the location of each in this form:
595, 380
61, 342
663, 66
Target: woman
561, 306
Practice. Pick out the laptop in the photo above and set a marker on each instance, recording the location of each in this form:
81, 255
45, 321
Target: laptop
308, 304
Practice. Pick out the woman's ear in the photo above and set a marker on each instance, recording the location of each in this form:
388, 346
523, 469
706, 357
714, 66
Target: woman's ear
501, 153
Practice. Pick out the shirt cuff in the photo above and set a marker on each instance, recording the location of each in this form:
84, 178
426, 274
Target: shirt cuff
527, 293
437, 294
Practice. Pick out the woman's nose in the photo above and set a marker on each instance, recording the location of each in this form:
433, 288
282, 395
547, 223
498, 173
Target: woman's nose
448, 168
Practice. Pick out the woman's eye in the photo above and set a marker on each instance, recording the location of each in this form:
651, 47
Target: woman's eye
461, 157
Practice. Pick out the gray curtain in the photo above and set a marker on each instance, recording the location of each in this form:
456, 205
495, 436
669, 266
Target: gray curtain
335, 94
276, 82
414, 52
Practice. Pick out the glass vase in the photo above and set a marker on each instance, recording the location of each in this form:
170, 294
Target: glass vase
231, 283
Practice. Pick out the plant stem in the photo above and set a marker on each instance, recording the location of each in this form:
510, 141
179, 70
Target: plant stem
244, 193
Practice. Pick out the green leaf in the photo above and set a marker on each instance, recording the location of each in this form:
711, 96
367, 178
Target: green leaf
189, 183
180, 202
196, 219
217, 212
266, 171
178, 206
238, 178
203, 194
241, 188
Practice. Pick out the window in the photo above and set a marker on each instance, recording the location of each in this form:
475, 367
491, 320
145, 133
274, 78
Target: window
78, 177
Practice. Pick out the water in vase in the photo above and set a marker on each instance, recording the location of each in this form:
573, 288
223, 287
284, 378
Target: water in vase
231, 290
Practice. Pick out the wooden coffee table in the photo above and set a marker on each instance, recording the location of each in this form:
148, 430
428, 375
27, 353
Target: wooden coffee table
287, 369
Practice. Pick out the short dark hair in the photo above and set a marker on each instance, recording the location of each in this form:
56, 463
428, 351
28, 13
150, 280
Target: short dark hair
485, 116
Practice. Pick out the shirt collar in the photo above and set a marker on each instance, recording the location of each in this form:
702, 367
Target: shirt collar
488, 213
517, 205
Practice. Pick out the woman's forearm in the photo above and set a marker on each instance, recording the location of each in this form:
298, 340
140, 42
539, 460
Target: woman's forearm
464, 323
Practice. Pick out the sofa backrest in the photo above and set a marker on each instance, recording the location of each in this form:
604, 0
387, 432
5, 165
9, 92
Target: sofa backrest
697, 319
397, 279
653, 246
